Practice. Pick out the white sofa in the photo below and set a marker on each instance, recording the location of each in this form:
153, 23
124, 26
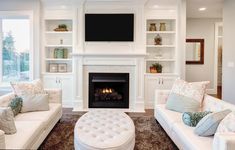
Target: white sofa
32, 127
183, 135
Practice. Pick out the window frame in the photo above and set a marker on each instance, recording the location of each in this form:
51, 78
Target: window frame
18, 15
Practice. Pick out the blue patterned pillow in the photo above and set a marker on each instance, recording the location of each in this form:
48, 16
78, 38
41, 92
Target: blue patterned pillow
207, 126
16, 105
192, 118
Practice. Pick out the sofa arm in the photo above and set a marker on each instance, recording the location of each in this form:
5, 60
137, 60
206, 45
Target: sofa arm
224, 141
161, 96
2, 140
55, 95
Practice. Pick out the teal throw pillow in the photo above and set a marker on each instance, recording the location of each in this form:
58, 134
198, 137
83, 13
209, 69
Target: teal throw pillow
192, 118
16, 105
207, 126
182, 103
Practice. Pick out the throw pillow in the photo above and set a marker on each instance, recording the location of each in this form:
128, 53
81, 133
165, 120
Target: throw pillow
192, 118
7, 123
193, 90
181, 103
35, 102
16, 105
227, 124
21, 88
207, 126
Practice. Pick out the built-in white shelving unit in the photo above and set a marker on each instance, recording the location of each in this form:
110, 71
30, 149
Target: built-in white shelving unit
54, 40
62, 40
165, 53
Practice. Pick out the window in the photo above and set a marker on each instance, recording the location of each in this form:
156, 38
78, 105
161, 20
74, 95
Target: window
15, 48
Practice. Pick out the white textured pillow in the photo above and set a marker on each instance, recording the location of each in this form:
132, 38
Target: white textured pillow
22, 88
193, 90
35, 102
7, 123
227, 124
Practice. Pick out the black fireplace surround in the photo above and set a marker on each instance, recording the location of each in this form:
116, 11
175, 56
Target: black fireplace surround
108, 90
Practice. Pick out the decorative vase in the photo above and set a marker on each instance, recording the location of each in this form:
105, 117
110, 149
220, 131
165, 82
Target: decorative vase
162, 26
153, 70
158, 40
58, 53
152, 27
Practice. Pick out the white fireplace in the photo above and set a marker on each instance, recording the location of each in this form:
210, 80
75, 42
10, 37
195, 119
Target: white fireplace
133, 64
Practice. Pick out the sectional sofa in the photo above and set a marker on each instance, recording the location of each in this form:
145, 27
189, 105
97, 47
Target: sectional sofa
32, 127
182, 135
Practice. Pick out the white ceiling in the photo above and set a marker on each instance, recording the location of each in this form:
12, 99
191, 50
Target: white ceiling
161, 3
214, 8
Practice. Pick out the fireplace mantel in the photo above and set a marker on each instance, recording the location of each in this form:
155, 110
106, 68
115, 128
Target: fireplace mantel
109, 55
133, 64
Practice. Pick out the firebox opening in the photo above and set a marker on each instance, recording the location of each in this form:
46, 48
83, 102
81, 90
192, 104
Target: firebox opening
108, 90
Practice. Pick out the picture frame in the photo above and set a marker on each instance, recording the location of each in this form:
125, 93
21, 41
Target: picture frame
62, 67
53, 67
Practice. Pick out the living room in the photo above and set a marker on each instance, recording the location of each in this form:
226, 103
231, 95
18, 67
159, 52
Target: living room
117, 74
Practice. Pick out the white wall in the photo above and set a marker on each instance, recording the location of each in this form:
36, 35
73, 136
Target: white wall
229, 51
137, 46
28, 5
202, 29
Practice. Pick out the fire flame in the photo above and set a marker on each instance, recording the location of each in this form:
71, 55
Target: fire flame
107, 91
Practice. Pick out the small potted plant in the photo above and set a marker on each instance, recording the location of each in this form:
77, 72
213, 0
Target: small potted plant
61, 27
156, 68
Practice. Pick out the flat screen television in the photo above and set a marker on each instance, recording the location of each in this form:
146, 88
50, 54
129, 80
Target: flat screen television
109, 27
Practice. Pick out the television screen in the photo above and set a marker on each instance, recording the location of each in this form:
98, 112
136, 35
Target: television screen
109, 27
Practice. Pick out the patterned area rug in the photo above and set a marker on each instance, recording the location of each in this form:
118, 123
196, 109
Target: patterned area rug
149, 134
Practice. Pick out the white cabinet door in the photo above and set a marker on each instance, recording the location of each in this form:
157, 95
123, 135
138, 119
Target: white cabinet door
167, 83
50, 82
66, 84
151, 84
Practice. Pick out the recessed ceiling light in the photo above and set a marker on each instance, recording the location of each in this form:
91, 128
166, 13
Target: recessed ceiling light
202, 9
155, 6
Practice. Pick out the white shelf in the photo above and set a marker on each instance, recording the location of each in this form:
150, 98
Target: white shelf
160, 74
57, 73
58, 59
58, 45
162, 60
58, 32
160, 32
161, 46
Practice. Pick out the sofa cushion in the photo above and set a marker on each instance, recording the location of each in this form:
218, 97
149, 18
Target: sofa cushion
188, 139
193, 90
182, 103
16, 105
6, 99
33, 87
45, 116
207, 126
167, 117
7, 123
192, 118
227, 125
27, 133
35, 102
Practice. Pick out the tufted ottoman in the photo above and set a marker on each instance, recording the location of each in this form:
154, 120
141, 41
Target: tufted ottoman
104, 129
